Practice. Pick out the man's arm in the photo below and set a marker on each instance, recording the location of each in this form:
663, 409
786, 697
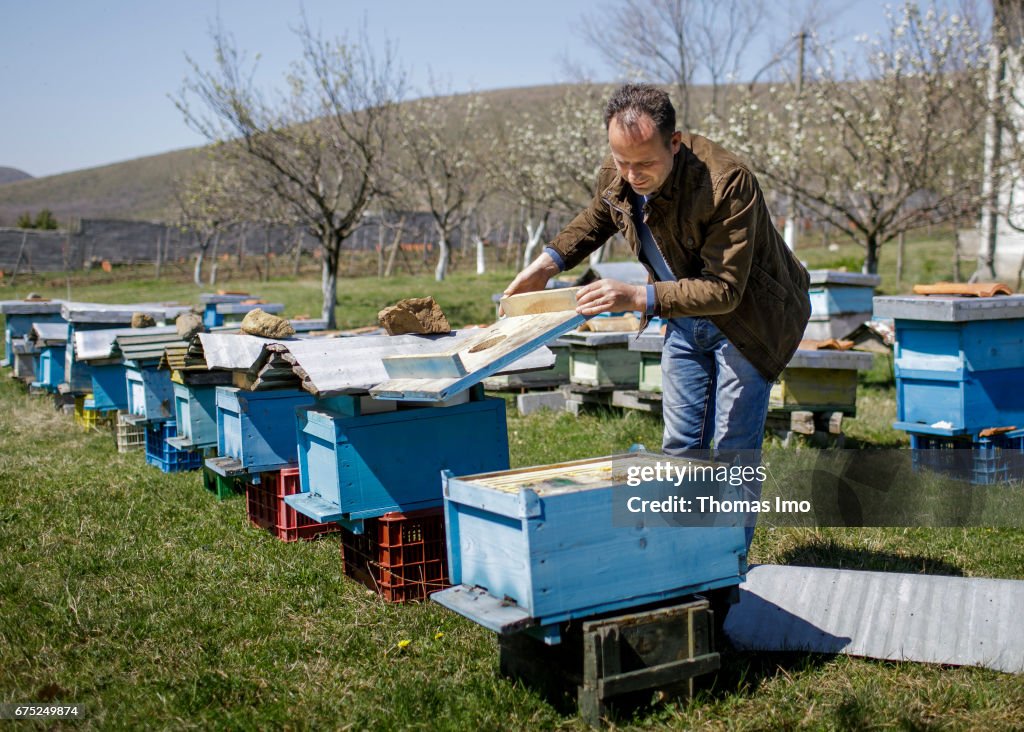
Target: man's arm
727, 253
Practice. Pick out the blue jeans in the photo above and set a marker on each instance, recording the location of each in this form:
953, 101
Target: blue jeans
710, 391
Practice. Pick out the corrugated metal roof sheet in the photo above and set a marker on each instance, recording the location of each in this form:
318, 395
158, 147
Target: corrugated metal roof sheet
117, 314
91, 345
146, 344
963, 621
354, 365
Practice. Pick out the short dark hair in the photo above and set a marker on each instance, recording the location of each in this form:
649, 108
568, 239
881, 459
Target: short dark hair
631, 101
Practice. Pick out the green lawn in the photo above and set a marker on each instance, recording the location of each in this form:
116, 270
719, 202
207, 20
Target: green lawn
139, 595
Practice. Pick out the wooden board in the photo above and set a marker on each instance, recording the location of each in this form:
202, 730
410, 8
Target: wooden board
546, 301
437, 376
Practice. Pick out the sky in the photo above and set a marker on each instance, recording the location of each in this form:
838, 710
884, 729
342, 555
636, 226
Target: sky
88, 82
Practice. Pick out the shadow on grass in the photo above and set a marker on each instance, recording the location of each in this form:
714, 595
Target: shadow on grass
835, 555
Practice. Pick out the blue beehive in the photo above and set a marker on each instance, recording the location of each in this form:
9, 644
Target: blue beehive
256, 429
50, 369
195, 410
18, 325
539, 546
840, 299
150, 393
362, 466
958, 361
109, 386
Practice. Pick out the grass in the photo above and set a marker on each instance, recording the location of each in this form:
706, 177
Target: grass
139, 595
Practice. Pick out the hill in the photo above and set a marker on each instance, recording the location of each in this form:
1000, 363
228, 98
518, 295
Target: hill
10, 175
143, 189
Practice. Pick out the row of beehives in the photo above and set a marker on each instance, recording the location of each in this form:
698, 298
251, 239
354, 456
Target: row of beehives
228, 404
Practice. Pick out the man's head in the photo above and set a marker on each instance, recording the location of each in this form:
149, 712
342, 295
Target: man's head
641, 125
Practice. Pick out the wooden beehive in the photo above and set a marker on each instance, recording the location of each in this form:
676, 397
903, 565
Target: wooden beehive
541, 545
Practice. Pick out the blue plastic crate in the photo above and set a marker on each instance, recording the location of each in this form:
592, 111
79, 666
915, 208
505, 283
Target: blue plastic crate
169, 459
981, 460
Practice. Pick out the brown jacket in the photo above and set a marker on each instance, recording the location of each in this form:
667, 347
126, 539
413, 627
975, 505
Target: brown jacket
711, 224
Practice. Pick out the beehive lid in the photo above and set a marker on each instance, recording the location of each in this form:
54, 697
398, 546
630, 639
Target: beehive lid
949, 308
449, 370
49, 334
837, 277
30, 307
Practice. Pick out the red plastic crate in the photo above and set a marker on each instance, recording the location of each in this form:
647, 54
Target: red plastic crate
267, 509
402, 556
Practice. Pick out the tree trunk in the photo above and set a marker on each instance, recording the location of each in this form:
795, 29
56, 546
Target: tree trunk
298, 255
871, 256
159, 255
197, 273
956, 254
329, 287
395, 244
900, 246
598, 255
481, 263
266, 254
533, 241
241, 248
442, 259
213, 257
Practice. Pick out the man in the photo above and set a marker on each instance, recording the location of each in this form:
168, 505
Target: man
735, 296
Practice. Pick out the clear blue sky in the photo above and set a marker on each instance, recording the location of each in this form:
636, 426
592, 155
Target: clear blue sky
86, 82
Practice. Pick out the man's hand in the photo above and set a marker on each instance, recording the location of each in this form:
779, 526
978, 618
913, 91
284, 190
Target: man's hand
613, 296
534, 277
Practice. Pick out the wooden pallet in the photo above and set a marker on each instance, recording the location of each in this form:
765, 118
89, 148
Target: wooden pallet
823, 428
644, 401
617, 662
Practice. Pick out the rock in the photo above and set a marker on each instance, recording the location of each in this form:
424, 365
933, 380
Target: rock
414, 315
142, 320
259, 323
188, 325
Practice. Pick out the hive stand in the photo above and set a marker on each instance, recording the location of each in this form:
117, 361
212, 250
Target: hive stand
609, 664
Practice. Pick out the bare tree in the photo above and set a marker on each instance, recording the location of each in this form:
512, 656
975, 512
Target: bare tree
441, 165
1003, 193
315, 150
208, 201
889, 143
676, 42
551, 164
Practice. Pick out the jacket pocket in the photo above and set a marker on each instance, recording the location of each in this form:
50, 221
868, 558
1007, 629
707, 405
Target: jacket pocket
767, 282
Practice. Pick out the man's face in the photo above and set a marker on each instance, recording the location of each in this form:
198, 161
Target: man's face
641, 155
